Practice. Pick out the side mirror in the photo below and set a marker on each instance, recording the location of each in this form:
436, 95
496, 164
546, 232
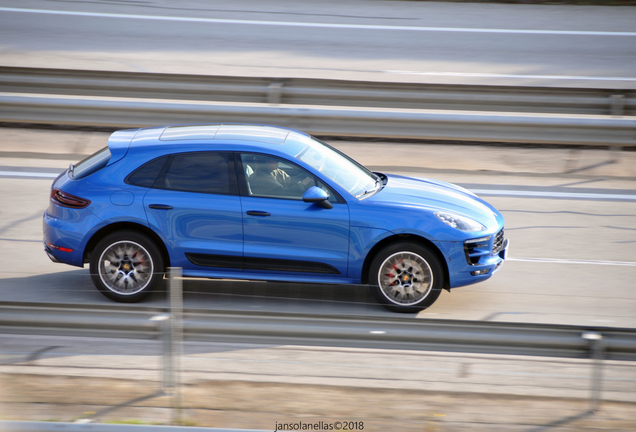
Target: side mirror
317, 195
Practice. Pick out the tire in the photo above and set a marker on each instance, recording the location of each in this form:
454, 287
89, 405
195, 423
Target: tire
126, 266
406, 277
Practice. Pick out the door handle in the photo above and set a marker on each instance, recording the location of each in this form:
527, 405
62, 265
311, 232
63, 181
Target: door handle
258, 213
160, 207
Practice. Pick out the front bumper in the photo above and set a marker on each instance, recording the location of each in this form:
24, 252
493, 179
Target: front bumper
462, 271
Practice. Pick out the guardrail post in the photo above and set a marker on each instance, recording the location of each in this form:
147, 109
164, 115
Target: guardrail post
166, 367
275, 93
617, 105
176, 336
617, 109
596, 348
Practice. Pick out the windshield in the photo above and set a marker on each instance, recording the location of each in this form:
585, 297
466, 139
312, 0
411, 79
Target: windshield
339, 168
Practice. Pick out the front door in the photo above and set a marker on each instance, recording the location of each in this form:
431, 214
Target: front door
282, 233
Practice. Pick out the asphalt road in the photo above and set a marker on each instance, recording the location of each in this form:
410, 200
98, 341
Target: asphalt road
572, 235
547, 45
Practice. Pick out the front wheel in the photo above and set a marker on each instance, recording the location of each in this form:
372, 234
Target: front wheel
406, 277
126, 266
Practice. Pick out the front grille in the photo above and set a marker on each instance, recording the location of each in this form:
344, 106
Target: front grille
498, 243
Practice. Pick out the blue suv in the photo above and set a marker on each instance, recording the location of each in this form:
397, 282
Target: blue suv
264, 203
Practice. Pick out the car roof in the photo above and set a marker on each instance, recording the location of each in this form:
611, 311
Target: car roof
121, 141
228, 132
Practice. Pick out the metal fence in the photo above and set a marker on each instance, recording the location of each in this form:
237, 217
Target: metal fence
325, 107
298, 91
364, 332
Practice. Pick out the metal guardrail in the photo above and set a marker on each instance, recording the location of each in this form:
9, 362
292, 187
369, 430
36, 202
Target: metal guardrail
298, 91
356, 331
323, 107
339, 121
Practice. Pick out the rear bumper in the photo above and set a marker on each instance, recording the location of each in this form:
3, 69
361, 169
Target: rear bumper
63, 241
49, 253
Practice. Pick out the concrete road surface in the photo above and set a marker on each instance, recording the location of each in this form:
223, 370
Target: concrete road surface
569, 216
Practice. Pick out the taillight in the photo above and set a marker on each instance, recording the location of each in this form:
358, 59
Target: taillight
64, 199
60, 248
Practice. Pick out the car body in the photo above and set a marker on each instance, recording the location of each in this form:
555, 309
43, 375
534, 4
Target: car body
264, 203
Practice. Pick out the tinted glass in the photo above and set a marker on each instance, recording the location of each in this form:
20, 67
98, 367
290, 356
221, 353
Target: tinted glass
93, 163
202, 172
147, 174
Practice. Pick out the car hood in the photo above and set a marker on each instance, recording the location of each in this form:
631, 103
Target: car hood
433, 195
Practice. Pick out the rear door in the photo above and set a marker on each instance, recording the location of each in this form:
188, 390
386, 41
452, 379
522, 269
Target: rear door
195, 207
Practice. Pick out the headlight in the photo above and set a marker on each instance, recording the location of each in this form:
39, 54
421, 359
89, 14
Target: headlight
461, 223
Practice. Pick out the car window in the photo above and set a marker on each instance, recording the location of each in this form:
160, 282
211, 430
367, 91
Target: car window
271, 177
335, 165
201, 172
146, 175
91, 164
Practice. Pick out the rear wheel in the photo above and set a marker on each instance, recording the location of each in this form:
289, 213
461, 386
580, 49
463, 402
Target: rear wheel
126, 266
406, 277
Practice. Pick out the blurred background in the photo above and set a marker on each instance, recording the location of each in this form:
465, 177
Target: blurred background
530, 104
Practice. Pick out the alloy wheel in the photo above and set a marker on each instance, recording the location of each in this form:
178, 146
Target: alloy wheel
125, 267
405, 278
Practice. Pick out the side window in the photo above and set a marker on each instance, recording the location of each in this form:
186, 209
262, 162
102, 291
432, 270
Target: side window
201, 172
271, 177
146, 175
333, 197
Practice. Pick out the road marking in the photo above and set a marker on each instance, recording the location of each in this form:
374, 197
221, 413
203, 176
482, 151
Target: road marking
560, 195
28, 174
569, 261
490, 75
320, 25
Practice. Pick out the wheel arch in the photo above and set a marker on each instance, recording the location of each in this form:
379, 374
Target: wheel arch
405, 237
120, 226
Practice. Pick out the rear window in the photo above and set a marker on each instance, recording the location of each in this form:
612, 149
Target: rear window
91, 164
146, 175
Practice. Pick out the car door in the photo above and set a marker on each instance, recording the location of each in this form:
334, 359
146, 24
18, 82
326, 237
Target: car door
195, 207
283, 234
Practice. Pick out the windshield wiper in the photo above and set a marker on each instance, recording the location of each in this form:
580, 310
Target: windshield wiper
375, 189
71, 170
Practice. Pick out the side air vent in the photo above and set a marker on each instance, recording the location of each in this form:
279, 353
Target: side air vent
476, 248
